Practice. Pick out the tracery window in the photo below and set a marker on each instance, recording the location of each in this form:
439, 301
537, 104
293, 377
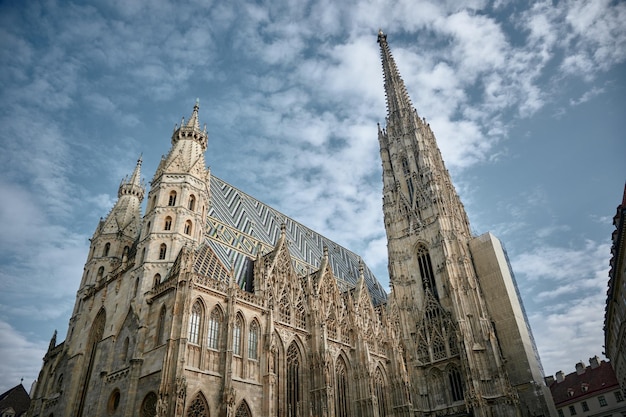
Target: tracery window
198, 407
148, 406
187, 229
192, 202
162, 251
168, 223
300, 316
253, 341
172, 200
215, 322
284, 312
381, 393
161, 328
294, 389
439, 349
456, 385
194, 323
243, 410
341, 389
237, 336
422, 352
426, 271
331, 327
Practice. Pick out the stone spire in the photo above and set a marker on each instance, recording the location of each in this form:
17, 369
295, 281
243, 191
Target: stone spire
398, 100
133, 185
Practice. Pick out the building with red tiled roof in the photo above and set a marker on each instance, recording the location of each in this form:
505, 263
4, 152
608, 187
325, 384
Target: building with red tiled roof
14, 402
591, 391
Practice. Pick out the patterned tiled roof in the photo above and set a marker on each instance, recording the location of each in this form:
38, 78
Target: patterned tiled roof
239, 226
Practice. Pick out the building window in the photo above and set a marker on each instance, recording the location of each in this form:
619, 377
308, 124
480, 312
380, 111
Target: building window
283, 309
198, 407
114, 401
194, 323
561, 413
106, 250
100, 274
172, 200
602, 401
618, 396
192, 203
168, 223
161, 328
572, 410
162, 251
243, 410
237, 336
300, 316
214, 328
341, 389
381, 396
456, 385
585, 406
157, 279
293, 381
426, 271
187, 227
148, 406
253, 341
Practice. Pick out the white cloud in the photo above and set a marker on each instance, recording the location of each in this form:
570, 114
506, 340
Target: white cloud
21, 357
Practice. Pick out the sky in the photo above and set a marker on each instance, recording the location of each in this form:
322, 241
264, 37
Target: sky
526, 100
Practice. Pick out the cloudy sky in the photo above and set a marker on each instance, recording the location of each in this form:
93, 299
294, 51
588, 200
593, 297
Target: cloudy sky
527, 103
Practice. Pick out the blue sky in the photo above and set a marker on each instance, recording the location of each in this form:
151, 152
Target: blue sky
526, 101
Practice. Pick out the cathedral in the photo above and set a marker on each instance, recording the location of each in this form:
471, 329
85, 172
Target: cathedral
211, 303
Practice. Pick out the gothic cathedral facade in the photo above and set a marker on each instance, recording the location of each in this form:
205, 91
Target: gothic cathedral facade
212, 303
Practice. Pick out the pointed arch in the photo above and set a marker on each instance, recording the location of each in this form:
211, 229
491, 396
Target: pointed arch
253, 340
168, 223
215, 326
294, 383
284, 308
342, 405
191, 205
188, 227
157, 279
455, 384
161, 326
300, 315
107, 249
243, 410
195, 322
172, 199
426, 270
380, 387
237, 330
331, 326
95, 336
162, 251
198, 407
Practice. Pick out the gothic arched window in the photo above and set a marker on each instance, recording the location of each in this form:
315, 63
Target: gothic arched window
243, 410
331, 326
162, 251
300, 316
426, 271
381, 393
157, 279
237, 336
187, 229
172, 200
100, 274
148, 406
253, 340
107, 248
405, 167
439, 349
284, 311
341, 389
215, 322
194, 323
168, 223
198, 407
456, 385
192, 202
161, 327
294, 389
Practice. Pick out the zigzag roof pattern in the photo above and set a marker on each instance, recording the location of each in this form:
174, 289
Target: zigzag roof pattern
239, 226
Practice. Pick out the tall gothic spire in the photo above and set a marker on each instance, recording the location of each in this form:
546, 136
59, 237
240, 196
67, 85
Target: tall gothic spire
397, 97
132, 185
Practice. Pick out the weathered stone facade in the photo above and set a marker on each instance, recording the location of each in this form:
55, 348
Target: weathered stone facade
214, 304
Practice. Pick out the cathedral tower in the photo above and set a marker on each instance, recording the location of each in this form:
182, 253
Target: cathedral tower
453, 357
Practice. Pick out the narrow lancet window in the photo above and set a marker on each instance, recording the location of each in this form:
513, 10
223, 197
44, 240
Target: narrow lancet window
426, 271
